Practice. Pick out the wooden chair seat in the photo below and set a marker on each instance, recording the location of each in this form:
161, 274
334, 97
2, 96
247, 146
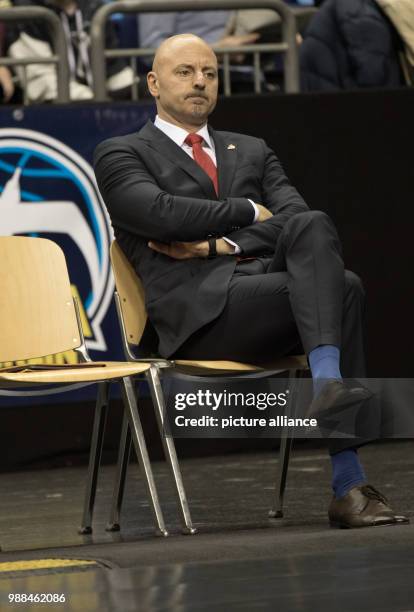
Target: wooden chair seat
97, 371
204, 366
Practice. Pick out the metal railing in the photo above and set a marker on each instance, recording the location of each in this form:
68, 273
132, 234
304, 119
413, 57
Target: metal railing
288, 46
60, 56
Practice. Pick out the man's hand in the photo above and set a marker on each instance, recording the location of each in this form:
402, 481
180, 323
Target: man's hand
6, 81
187, 250
264, 213
237, 41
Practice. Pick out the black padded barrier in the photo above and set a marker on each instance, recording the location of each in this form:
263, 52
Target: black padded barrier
351, 154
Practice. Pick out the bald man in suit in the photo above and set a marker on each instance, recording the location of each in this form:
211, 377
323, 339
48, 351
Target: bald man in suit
234, 264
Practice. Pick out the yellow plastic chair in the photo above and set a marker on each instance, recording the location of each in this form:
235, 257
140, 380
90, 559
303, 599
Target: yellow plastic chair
39, 317
130, 304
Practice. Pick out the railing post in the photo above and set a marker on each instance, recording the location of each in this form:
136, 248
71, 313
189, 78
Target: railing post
291, 60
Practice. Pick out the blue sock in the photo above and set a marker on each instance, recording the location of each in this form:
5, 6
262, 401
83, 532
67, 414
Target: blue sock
347, 472
324, 364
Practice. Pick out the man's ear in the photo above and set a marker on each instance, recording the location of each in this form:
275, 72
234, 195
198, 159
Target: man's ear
152, 81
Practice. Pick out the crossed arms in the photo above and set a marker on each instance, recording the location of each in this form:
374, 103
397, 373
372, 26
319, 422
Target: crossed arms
137, 204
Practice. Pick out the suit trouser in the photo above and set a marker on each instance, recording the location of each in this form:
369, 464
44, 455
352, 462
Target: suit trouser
294, 302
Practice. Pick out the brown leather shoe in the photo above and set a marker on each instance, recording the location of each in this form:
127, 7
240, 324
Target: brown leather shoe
363, 506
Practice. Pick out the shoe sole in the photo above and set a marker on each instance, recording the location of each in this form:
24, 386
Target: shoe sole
335, 525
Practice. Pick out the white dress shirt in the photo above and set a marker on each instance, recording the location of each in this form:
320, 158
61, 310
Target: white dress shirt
178, 135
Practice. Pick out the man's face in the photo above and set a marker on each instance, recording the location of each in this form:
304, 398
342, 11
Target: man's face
184, 82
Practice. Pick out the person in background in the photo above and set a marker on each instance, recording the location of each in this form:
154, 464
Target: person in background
33, 39
268, 24
350, 44
401, 15
266, 21
215, 27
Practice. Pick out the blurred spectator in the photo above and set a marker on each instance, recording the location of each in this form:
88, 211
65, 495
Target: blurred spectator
6, 79
350, 44
266, 21
215, 27
401, 14
33, 40
268, 24
224, 28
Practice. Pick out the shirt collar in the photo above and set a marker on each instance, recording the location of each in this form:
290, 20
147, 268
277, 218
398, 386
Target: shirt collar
178, 135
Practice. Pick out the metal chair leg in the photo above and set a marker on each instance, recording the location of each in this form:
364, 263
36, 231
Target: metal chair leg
284, 455
286, 441
114, 523
101, 409
128, 395
169, 449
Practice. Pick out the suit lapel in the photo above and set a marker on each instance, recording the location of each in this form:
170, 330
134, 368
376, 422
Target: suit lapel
161, 143
226, 162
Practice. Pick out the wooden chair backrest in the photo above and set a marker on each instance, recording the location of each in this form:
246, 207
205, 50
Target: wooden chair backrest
131, 295
37, 313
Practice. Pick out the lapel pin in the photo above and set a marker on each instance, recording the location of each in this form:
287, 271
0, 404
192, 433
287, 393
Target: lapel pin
231, 147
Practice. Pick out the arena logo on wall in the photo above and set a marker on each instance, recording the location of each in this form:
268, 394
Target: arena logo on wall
49, 190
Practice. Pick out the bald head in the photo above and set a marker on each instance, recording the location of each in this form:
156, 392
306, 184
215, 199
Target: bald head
184, 81
179, 43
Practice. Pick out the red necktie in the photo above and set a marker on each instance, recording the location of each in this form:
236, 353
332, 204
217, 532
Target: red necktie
202, 158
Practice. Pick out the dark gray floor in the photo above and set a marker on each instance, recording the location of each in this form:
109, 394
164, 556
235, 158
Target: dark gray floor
240, 560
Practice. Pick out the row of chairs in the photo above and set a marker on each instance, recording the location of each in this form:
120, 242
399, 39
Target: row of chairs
39, 317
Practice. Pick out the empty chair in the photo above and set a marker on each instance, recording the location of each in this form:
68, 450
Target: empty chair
39, 317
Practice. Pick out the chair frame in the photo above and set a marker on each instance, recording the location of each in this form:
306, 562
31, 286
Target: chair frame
132, 422
294, 366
